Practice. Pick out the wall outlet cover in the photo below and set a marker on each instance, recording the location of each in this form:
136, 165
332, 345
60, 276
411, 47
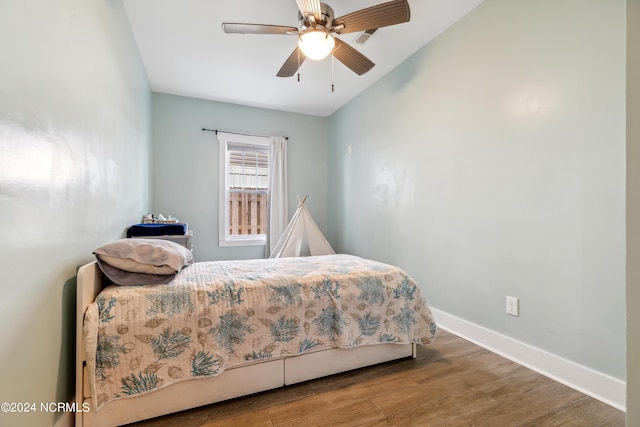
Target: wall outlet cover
513, 306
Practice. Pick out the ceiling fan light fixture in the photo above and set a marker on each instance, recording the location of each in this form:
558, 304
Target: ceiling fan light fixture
316, 44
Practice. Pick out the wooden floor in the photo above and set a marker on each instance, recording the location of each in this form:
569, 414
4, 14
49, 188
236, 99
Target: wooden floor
450, 383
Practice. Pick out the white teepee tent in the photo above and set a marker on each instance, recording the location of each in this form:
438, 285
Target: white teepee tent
302, 237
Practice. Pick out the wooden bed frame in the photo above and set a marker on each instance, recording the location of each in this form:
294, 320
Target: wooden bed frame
234, 382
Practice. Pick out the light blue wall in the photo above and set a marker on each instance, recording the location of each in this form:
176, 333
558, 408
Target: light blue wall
185, 163
492, 163
75, 135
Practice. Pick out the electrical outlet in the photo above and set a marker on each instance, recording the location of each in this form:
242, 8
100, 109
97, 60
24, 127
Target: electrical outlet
513, 306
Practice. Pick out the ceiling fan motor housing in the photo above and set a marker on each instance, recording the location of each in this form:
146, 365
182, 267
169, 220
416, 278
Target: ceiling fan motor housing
327, 18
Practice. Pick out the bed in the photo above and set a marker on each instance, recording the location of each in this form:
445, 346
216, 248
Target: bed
220, 330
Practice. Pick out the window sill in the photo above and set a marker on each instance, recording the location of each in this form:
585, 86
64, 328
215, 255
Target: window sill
242, 242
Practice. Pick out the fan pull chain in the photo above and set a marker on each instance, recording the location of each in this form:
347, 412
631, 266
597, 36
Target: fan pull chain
332, 74
298, 51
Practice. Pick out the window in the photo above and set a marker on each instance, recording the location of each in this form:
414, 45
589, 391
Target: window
244, 187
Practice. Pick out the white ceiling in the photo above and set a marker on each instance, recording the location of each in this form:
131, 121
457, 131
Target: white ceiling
185, 52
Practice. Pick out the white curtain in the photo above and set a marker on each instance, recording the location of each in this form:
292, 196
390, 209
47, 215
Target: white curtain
278, 208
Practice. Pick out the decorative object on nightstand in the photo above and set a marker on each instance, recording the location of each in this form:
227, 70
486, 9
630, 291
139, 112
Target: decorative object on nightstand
150, 218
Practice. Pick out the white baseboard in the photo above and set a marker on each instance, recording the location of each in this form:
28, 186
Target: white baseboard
607, 389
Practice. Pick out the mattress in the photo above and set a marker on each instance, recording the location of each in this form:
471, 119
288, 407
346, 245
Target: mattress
217, 315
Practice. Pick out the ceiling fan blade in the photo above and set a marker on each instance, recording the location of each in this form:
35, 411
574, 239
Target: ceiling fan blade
291, 65
365, 36
354, 60
310, 7
234, 28
382, 15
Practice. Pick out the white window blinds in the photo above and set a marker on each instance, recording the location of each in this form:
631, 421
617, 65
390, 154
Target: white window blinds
248, 167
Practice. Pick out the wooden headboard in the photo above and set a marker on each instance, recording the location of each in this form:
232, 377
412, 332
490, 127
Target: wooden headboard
89, 284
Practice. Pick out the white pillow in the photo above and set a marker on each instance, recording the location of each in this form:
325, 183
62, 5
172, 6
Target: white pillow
134, 266
142, 261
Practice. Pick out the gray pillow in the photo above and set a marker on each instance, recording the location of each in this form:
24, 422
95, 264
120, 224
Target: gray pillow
142, 261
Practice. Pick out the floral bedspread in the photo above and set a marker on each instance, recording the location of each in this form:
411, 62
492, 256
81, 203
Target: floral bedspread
216, 315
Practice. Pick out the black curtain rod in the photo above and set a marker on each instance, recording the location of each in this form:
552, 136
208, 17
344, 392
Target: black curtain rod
236, 133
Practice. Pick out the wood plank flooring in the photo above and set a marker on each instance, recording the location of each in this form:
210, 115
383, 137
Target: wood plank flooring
451, 383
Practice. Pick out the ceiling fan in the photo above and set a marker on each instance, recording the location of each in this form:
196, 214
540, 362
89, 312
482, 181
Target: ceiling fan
317, 28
